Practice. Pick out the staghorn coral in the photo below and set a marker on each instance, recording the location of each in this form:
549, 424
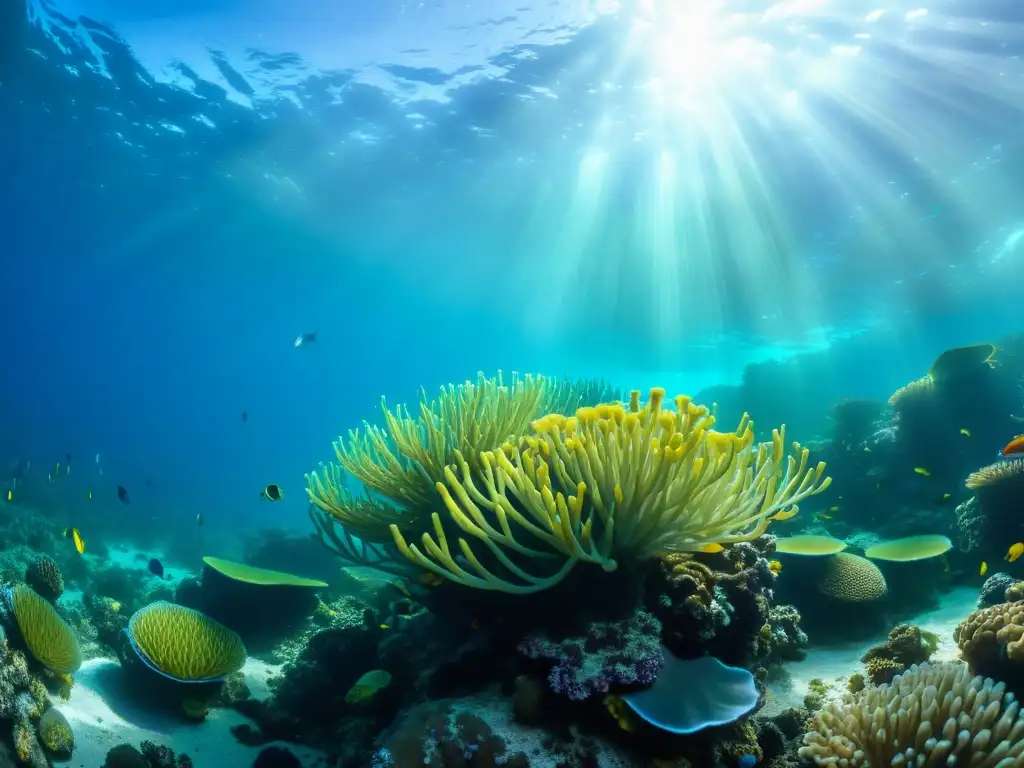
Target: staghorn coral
610, 654
930, 715
905, 646
852, 578
611, 483
44, 576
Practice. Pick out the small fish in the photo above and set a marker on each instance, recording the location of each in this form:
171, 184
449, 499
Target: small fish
922, 471
90, 495
245, 415
833, 509
272, 492
1015, 447
823, 516
984, 568
965, 432
56, 471
306, 338
866, 449
775, 566
76, 537
385, 626
1014, 552
946, 496
783, 515
199, 519
10, 494
712, 548
97, 458
122, 495
156, 568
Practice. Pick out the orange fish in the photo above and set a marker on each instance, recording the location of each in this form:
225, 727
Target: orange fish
1014, 447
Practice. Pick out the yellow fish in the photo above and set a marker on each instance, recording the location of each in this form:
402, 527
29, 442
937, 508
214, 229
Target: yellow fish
75, 536
10, 493
1014, 552
984, 568
384, 626
833, 509
946, 496
922, 471
783, 515
712, 549
775, 566
90, 495
965, 432
823, 516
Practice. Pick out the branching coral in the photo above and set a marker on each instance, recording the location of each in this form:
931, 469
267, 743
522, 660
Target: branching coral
931, 715
404, 460
611, 483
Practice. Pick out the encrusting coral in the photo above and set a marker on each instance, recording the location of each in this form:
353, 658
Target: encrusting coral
612, 483
905, 646
936, 714
991, 641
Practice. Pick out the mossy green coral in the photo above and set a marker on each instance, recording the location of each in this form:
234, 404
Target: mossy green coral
49, 639
183, 644
55, 733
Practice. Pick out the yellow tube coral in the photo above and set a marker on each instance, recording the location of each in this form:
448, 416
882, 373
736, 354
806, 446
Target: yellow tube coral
610, 482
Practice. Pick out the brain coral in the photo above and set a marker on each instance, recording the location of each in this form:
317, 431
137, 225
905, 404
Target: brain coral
991, 638
852, 578
44, 577
48, 637
931, 715
183, 644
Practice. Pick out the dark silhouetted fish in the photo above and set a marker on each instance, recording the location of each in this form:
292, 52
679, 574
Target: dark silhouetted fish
156, 568
245, 416
122, 495
306, 338
272, 492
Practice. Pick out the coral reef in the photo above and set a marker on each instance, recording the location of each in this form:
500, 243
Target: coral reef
991, 641
905, 646
993, 591
44, 576
939, 712
610, 655
148, 755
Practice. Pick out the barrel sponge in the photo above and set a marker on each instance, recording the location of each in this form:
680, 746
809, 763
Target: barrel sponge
933, 714
183, 644
47, 636
996, 632
852, 578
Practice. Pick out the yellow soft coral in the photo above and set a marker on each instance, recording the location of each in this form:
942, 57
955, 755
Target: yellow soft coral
608, 483
405, 459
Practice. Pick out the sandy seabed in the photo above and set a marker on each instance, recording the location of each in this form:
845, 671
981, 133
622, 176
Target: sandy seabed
837, 662
103, 716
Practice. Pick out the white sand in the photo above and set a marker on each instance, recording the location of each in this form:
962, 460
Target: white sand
835, 664
102, 715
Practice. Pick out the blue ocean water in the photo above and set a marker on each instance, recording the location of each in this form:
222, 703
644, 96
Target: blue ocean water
649, 192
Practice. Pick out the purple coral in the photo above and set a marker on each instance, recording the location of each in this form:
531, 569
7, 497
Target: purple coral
610, 654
